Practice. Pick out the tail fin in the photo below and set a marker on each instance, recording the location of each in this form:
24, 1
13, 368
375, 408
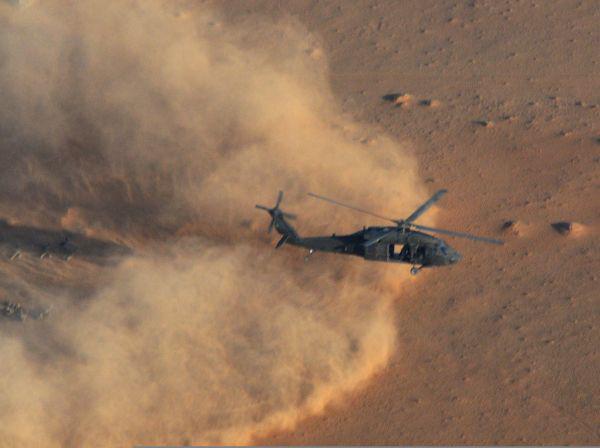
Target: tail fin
278, 220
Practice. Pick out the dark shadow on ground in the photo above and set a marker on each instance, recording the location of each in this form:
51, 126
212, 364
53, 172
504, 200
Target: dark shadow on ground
62, 244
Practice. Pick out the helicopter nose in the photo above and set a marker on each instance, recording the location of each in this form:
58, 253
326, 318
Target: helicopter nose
455, 258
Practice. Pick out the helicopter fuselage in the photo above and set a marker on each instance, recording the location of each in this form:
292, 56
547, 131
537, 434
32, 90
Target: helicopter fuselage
396, 246
401, 243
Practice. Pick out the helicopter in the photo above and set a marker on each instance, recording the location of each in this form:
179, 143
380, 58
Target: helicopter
402, 243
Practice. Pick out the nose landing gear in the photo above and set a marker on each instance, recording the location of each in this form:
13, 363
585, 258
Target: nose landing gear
310, 252
415, 270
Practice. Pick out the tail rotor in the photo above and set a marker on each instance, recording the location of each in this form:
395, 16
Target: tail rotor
276, 212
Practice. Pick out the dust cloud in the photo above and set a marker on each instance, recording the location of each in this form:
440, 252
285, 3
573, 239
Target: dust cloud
159, 126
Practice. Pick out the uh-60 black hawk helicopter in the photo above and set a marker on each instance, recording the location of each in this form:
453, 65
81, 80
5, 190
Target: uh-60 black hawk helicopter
402, 243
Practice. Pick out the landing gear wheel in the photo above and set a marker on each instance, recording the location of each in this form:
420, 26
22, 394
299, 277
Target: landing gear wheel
414, 270
310, 252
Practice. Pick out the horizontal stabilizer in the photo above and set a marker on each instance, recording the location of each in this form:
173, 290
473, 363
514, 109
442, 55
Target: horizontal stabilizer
282, 241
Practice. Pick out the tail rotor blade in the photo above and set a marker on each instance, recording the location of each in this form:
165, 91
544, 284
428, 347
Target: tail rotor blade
276, 213
459, 234
279, 198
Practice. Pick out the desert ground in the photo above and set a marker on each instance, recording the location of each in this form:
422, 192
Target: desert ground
502, 108
136, 140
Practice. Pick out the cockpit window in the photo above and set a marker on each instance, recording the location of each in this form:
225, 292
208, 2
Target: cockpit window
443, 249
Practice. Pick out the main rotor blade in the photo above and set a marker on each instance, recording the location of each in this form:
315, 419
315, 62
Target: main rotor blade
459, 234
423, 208
288, 215
351, 207
262, 207
279, 198
271, 224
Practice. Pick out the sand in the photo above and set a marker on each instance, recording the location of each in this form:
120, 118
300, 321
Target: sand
208, 336
501, 348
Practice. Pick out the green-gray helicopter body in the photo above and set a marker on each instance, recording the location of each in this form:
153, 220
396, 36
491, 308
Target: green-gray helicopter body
401, 243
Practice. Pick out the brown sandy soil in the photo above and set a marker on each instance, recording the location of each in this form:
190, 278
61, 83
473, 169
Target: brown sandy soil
503, 111
135, 132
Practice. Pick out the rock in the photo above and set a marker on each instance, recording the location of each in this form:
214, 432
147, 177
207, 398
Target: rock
391, 97
399, 99
508, 224
484, 123
430, 103
567, 228
514, 227
562, 227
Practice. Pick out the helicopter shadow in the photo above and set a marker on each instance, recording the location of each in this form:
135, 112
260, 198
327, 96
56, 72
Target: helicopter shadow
62, 244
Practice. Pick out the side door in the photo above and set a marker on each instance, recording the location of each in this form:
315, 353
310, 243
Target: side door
378, 252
